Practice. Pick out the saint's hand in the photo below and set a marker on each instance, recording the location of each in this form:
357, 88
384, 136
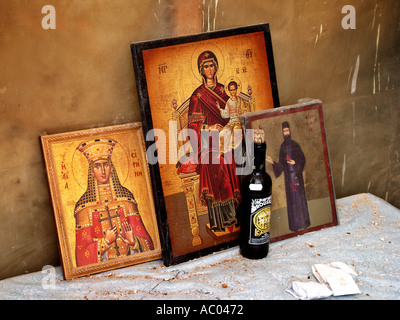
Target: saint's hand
291, 162
128, 236
269, 159
111, 235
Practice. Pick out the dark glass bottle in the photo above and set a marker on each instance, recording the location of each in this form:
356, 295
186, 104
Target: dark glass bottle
256, 208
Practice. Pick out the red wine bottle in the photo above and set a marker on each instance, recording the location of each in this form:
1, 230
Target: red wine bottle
256, 205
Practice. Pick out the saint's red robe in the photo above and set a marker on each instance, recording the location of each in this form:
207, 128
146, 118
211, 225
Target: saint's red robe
90, 242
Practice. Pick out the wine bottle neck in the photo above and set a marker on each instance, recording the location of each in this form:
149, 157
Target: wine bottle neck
259, 156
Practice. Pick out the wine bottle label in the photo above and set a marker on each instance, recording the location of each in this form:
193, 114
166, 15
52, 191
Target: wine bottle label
260, 220
255, 187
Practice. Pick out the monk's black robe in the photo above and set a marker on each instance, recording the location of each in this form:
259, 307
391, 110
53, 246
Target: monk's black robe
294, 184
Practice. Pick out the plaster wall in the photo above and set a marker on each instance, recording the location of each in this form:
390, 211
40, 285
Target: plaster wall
80, 76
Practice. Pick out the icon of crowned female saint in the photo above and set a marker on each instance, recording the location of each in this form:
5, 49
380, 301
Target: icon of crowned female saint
219, 184
108, 224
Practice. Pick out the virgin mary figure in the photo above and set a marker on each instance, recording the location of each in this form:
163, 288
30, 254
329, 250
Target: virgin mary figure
219, 184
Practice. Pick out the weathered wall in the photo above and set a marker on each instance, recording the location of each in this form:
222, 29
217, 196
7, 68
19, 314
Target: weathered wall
77, 76
355, 72
80, 76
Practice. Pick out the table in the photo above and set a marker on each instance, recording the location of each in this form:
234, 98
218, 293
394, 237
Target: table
367, 238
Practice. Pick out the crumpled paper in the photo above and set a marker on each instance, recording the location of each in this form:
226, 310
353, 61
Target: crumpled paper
334, 279
308, 290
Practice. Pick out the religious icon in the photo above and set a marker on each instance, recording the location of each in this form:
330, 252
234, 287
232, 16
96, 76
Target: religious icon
298, 162
195, 90
101, 235
101, 193
291, 162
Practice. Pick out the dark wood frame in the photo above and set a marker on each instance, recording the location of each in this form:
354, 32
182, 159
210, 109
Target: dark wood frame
144, 101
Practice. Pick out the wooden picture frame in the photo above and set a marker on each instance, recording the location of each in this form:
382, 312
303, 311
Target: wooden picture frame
102, 198
305, 201
170, 75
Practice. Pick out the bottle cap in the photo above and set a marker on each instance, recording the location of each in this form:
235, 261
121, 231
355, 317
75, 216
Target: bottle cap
259, 136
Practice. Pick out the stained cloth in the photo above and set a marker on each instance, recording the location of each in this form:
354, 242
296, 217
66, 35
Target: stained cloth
367, 238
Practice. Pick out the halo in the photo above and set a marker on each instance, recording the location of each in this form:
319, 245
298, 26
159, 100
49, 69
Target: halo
239, 85
207, 47
119, 158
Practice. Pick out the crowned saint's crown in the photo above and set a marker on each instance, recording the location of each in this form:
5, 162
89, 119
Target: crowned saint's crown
97, 149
